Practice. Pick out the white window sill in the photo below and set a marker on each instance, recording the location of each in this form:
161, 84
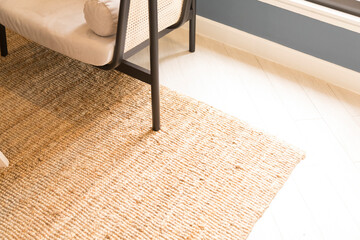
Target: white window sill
319, 12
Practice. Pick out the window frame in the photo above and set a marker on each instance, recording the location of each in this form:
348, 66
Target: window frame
319, 12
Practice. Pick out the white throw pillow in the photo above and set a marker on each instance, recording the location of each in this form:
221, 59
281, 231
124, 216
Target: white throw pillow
102, 16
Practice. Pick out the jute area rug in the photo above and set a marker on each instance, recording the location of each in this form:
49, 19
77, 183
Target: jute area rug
84, 163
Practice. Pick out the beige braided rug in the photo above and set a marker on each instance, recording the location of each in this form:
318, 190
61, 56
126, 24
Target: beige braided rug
84, 163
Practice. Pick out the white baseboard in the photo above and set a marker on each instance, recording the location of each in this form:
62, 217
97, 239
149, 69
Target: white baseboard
332, 73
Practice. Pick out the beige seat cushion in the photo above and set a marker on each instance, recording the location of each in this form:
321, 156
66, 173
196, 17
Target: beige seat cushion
61, 26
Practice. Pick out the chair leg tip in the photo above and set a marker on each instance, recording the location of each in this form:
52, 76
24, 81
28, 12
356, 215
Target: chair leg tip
4, 52
156, 129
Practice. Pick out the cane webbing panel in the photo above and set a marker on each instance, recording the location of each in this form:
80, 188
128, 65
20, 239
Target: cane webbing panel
138, 25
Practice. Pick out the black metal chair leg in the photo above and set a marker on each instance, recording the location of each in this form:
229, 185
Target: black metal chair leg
3, 43
192, 32
154, 64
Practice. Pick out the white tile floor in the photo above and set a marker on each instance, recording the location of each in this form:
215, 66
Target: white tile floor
321, 199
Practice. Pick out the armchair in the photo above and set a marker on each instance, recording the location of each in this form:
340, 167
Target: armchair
60, 26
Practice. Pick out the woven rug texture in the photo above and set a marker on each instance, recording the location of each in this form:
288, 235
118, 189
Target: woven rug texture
85, 164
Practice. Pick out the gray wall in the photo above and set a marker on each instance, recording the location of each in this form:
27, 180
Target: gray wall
304, 34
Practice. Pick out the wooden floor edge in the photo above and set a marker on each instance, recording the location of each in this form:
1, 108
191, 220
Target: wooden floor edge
4, 162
